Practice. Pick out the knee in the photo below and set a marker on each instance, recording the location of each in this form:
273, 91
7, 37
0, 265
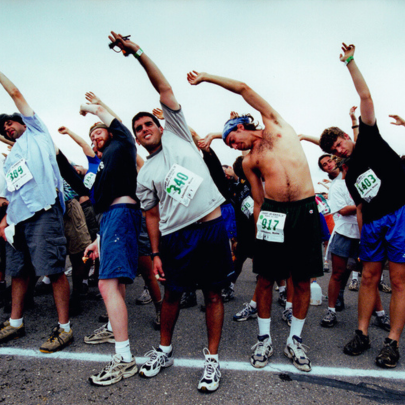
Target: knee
369, 280
172, 297
398, 285
213, 298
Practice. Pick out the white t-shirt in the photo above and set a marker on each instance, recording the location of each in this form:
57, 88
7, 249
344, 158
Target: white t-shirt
3, 183
339, 197
176, 178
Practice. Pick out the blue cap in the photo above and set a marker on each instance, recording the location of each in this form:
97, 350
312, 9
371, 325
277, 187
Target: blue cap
231, 125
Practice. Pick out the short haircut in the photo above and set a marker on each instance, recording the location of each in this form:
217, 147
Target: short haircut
144, 114
329, 137
16, 117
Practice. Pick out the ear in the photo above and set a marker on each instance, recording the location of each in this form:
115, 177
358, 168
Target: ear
347, 136
136, 139
240, 126
161, 129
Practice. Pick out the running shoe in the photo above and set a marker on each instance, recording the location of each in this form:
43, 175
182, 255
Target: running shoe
100, 335
385, 288
282, 298
8, 332
358, 345
326, 266
383, 322
144, 298
296, 352
188, 300
354, 285
68, 272
246, 313
211, 374
287, 316
115, 371
329, 320
228, 294
58, 340
262, 351
389, 354
157, 361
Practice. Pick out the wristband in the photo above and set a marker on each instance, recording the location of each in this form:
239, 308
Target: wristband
355, 126
138, 53
153, 255
348, 60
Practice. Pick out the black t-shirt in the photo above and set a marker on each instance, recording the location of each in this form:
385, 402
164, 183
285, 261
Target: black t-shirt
116, 175
243, 204
376, 176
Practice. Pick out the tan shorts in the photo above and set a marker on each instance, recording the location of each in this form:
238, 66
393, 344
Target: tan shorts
76, 232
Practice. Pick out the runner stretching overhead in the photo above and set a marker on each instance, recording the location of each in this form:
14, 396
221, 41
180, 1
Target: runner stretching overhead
288, 240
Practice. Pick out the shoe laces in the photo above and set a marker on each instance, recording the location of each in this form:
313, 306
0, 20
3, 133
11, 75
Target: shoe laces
55, 335
156, 356
245, 310
117, 358
211, 367
330, 315
260, 347
300, 349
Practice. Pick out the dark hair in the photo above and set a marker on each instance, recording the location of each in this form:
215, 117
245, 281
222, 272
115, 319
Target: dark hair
329, 137
250, 126
9, 117
144, 114
238, 168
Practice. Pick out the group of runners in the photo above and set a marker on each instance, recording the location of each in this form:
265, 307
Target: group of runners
160, 217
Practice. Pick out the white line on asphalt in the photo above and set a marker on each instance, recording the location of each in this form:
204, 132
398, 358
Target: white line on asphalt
225, 365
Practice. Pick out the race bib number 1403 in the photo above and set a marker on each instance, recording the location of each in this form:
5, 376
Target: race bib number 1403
270, 226
368, 185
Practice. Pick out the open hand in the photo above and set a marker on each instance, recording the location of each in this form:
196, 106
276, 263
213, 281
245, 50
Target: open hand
195, 78
92, 98
398, 120
158, 113
348, 50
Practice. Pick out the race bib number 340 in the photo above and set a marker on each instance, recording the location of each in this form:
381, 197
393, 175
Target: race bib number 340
270, 226
181, 184
18, 175
368, 185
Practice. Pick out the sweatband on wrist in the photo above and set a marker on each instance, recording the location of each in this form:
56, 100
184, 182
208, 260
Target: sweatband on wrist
138, 53
355, 126
348, 60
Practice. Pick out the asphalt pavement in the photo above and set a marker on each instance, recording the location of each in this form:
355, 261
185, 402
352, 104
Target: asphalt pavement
30, 377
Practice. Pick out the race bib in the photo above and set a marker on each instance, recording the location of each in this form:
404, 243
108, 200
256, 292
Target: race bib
270, 226
368, 185
89, 179
247, 206
18, 175
181, 184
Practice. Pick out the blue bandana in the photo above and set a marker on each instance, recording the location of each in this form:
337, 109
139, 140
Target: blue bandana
232, 124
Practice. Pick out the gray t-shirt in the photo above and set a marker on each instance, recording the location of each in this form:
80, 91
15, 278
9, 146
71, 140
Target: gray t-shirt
176, 178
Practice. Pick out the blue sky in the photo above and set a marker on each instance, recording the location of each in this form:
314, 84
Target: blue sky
287, 51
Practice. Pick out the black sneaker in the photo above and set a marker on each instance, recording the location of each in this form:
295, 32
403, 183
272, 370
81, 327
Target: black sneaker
188, 300
389, 354
329, 320
358, 345
340, 303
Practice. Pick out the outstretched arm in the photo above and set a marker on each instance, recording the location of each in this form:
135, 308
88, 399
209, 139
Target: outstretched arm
93, 99
101, 113
309, 138
366, 102
87, 150
398, 120
355, 123
17, 97
156, 77
269, 114
6, 141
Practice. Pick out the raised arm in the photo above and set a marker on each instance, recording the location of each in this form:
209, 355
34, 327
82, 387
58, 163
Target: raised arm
355, 123
269, 114
17, 97
398, 120
309, 138
156, 77
93, 99
101, 113
87, 150
366, 102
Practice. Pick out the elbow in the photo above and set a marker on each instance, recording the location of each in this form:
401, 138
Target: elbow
242, 88
165, 88
100, 110
15, 93
365, 96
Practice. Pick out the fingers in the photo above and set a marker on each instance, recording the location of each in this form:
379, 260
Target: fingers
62, 130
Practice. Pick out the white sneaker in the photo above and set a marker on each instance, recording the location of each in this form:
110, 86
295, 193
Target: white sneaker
115, 371
211, 375
100, 335
157, 361
262, 351
296, 352
354, 285
287, 316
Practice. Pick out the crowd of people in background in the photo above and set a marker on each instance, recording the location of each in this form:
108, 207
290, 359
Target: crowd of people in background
123, 215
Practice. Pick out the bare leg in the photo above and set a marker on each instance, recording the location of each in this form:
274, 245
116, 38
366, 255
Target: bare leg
170, 313
397, 306
61, 292
214, 318
302, 296
19, 287
290, 289
113, 294
339, 270
145, 267
264, 291
368, 293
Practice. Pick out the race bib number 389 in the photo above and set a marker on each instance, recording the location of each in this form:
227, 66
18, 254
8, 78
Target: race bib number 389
368, 185
181, 184
18, 175
270, 226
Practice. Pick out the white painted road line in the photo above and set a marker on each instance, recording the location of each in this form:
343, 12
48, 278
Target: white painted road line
225, 365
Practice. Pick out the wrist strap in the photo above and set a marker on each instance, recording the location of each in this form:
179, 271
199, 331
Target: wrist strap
153, 255
355, 126
348, 60
138, 53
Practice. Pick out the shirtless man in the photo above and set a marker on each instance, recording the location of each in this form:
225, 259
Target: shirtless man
288, 240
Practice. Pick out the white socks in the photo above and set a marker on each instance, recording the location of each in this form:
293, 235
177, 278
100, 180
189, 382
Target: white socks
16, 323
124, 350
166, 349
65, 326
264, 326
296, 328
253, 304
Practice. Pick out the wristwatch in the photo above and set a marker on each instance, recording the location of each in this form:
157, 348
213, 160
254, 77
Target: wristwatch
153, 255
